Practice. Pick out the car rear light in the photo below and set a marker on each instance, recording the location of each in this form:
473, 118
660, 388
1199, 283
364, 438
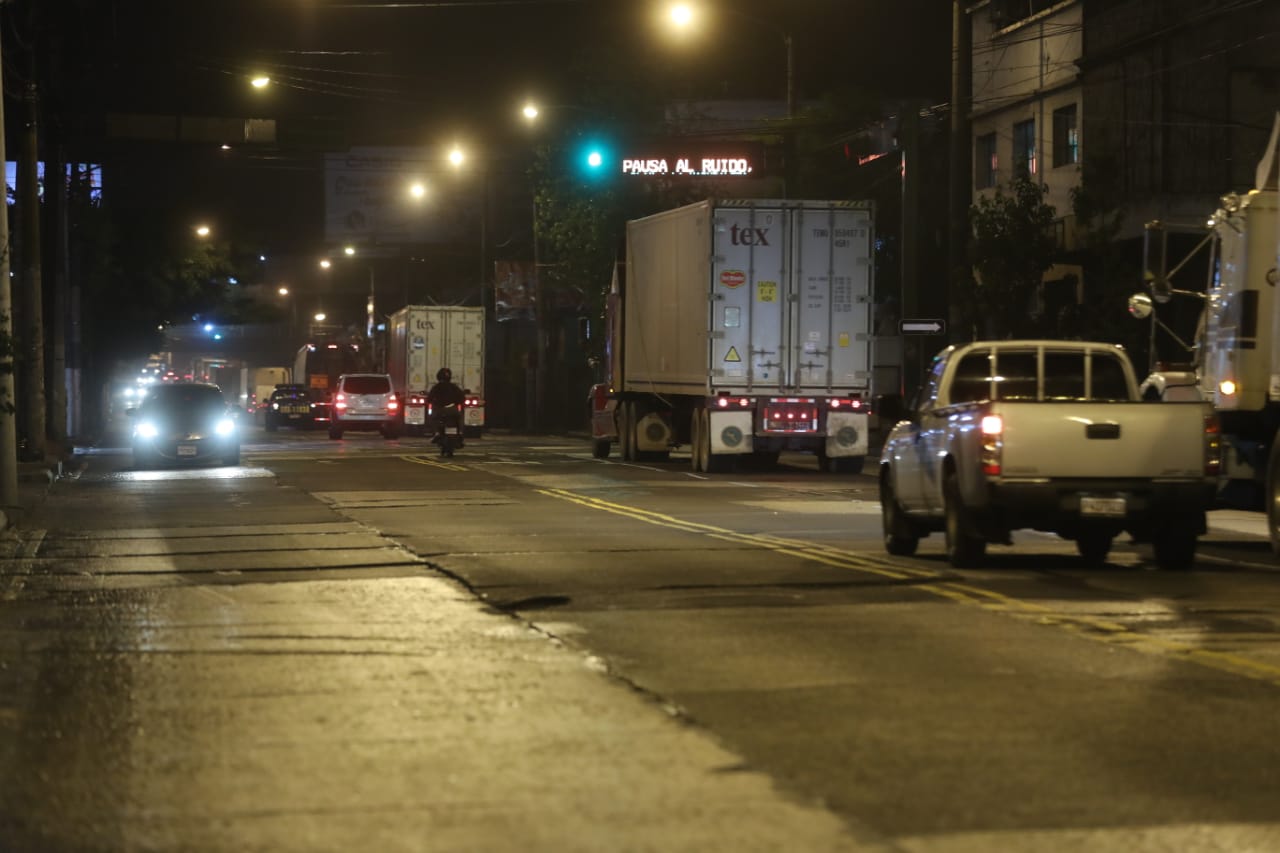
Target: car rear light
340, 401
992, 444
393, 404
1212, 445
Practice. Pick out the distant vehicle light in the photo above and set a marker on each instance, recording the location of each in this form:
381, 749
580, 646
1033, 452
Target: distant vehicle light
146, 429
224, 426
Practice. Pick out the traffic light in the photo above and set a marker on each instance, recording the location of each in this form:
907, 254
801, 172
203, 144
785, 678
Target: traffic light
594, 159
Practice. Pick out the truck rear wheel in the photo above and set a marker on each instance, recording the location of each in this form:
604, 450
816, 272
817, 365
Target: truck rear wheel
1273, 497
964, 551
899, 539
627, 431
697, 443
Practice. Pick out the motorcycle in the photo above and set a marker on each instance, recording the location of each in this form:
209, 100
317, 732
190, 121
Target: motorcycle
448, 422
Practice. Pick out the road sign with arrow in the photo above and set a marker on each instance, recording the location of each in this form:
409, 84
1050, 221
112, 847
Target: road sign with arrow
921, 327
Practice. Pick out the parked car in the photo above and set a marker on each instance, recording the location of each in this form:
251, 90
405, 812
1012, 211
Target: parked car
184, 422
364, 401
292, 405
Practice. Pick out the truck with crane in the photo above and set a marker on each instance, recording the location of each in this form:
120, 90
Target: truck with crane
1233, 360
741, 327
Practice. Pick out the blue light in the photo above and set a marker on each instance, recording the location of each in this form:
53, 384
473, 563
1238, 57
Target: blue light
233, 280
217, 336
208, 327
594, 159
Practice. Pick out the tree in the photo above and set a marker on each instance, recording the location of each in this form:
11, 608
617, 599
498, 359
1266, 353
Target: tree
1011, 246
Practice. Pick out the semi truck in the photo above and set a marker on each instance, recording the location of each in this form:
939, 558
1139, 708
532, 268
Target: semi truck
1233, 359
421, 339
741, 327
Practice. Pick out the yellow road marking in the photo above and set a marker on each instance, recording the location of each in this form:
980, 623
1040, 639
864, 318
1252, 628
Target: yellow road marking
1089, 627
434, 463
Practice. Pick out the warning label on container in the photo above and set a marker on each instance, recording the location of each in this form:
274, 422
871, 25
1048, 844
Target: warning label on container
732, 355
766, 291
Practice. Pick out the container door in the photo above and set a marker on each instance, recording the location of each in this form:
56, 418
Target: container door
464, 347
831, 274
748, 304
420, 332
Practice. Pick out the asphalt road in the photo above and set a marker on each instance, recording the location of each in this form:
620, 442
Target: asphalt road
359, 645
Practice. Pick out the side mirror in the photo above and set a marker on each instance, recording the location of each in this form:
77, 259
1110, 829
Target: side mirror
1140, 306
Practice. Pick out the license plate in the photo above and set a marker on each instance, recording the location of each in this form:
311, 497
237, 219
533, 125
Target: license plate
473, 416
415, 415
297, 410
187, 450
1112, 507
453, 430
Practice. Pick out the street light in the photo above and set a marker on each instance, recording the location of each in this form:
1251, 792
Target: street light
683, 17
261, 81
202, 230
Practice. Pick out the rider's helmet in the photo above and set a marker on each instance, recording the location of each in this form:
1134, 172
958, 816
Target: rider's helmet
444, 374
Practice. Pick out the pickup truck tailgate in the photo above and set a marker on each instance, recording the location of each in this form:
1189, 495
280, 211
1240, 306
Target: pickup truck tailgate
1111, 440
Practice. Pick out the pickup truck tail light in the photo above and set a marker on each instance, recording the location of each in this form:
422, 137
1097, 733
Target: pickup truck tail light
1212, 445
992, 444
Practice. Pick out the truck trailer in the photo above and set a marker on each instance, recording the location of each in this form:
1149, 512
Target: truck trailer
741, 327
1233, 361
421, 339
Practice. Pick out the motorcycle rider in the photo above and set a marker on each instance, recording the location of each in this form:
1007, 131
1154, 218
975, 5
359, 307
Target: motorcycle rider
440, 397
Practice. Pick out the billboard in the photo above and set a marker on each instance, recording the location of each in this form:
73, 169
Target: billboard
367, 199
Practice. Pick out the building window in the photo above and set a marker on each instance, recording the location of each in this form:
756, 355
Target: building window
984, 161
1066, 138
1024, 149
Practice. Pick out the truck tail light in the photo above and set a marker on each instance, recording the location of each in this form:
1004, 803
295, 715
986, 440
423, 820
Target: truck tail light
1212, 445
992, 444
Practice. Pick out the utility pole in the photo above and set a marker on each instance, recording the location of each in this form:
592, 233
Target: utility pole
961, 163
8, 422
28, 203
55, 188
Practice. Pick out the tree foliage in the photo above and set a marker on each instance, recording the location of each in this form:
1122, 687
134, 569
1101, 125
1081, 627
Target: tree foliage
1011, 246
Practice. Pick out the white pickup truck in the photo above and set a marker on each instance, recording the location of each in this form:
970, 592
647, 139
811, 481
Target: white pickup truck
1046, 435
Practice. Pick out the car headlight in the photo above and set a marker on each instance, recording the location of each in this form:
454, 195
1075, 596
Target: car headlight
146, 429
224, 426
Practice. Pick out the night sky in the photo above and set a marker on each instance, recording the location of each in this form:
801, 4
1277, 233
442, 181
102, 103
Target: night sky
428, 73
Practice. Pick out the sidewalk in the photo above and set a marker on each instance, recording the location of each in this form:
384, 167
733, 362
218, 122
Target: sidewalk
34, 480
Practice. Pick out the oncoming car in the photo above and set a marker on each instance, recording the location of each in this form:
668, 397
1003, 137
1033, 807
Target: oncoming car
184, 422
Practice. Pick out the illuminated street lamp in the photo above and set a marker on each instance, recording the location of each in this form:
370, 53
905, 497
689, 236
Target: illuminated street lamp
202, 230
282, 290
321, 317
456, 157
683, 17
325, 263
418, 190
261, 81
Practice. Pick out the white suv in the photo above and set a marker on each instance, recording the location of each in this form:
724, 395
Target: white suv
364, 401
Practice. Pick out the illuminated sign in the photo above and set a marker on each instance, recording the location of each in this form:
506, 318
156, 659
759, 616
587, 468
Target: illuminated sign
712, 167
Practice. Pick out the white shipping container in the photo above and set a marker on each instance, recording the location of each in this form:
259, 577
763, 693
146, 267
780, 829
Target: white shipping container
750, 296
425, 338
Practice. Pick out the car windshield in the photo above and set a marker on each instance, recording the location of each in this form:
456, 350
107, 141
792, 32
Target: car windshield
367, 385
184, 396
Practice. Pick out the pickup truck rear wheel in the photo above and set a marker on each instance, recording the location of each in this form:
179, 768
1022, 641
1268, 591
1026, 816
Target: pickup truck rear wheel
898, 537
1094, 546
964, 551
1175, 546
